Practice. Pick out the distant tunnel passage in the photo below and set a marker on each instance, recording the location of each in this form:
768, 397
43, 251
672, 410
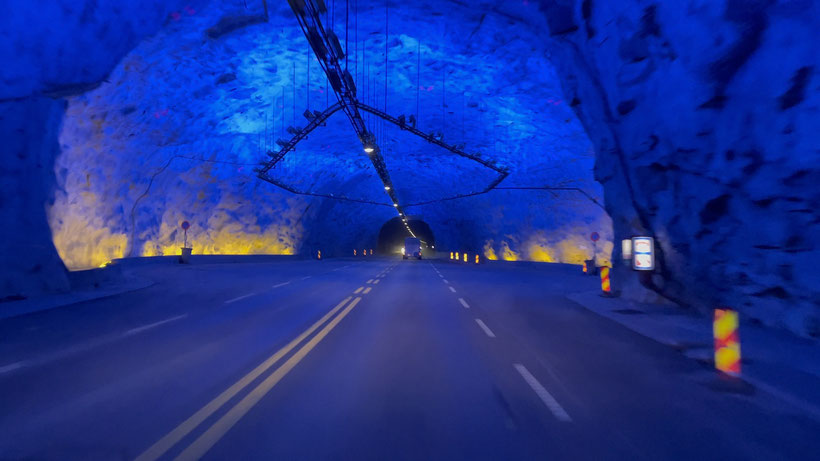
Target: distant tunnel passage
393, 233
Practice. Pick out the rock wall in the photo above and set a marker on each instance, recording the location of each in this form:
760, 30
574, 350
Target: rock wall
704, 117
138, 157
50, 50
28, 128
171, 130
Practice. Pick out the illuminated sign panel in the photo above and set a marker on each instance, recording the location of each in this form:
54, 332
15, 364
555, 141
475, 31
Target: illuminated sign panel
643, 253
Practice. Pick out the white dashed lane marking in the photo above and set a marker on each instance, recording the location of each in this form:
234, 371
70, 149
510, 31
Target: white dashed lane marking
11, 367
367, 290
464, 303
240, 298
281, 284
136, 330
553, 405
486, 329
358, 290
452, 289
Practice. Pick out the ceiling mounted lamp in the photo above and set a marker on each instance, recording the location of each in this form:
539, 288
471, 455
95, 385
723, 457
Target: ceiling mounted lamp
386, 187
396, 205
368, 149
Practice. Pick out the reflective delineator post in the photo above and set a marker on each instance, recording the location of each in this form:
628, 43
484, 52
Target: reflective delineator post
457, 258
319, 254
371, 252
476, 259
465, 257
354, 252
727, 342
451, 255
606, 287
585, 267
364, 252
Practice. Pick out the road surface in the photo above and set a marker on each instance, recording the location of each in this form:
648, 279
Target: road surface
371, 359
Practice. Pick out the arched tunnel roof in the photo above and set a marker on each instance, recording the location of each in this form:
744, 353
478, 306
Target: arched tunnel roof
178, 127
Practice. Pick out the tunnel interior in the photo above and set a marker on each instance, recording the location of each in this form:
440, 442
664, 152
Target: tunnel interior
127, 135
394, 231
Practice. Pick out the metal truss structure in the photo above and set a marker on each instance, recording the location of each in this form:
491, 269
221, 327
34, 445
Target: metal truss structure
330, 55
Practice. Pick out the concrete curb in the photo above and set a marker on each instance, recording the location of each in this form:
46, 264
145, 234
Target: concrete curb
33, 305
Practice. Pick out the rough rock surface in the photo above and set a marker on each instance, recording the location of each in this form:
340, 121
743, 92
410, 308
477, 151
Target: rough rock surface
176, 131
701, 114
704, 116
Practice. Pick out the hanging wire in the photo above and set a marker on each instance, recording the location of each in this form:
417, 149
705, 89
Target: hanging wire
347, 27
443, 96
418, 80
386, 37
307, 56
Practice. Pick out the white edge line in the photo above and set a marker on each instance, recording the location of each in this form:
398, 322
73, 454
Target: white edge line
553, 405
136, 330
241, 297
464, 303
282, 284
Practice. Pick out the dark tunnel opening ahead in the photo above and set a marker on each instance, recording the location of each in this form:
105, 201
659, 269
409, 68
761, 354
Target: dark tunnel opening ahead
393, 233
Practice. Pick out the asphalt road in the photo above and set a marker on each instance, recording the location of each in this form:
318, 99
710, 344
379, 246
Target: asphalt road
376, 359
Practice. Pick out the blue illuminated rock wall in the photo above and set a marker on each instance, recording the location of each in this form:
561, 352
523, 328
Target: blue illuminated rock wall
182, 120
704, 115
50, 50
700, 118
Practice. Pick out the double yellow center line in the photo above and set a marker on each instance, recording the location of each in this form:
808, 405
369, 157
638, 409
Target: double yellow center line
215, 432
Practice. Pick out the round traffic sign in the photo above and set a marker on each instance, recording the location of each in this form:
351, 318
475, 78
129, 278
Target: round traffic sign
594, 236
185, 225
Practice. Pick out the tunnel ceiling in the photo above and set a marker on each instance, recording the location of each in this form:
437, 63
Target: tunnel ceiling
176, 130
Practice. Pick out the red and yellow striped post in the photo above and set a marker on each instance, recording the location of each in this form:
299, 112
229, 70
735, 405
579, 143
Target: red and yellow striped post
364, 252
727, 342
319, 254
371, 252
354, 252
457, 258
451, 255
476, 259
465, 257
606, 287
585, 267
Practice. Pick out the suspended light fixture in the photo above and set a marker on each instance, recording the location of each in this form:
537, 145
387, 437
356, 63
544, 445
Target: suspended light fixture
368, 149
396, 205
385, 187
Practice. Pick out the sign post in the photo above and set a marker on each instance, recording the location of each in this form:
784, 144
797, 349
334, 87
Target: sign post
185, 255
594, 237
